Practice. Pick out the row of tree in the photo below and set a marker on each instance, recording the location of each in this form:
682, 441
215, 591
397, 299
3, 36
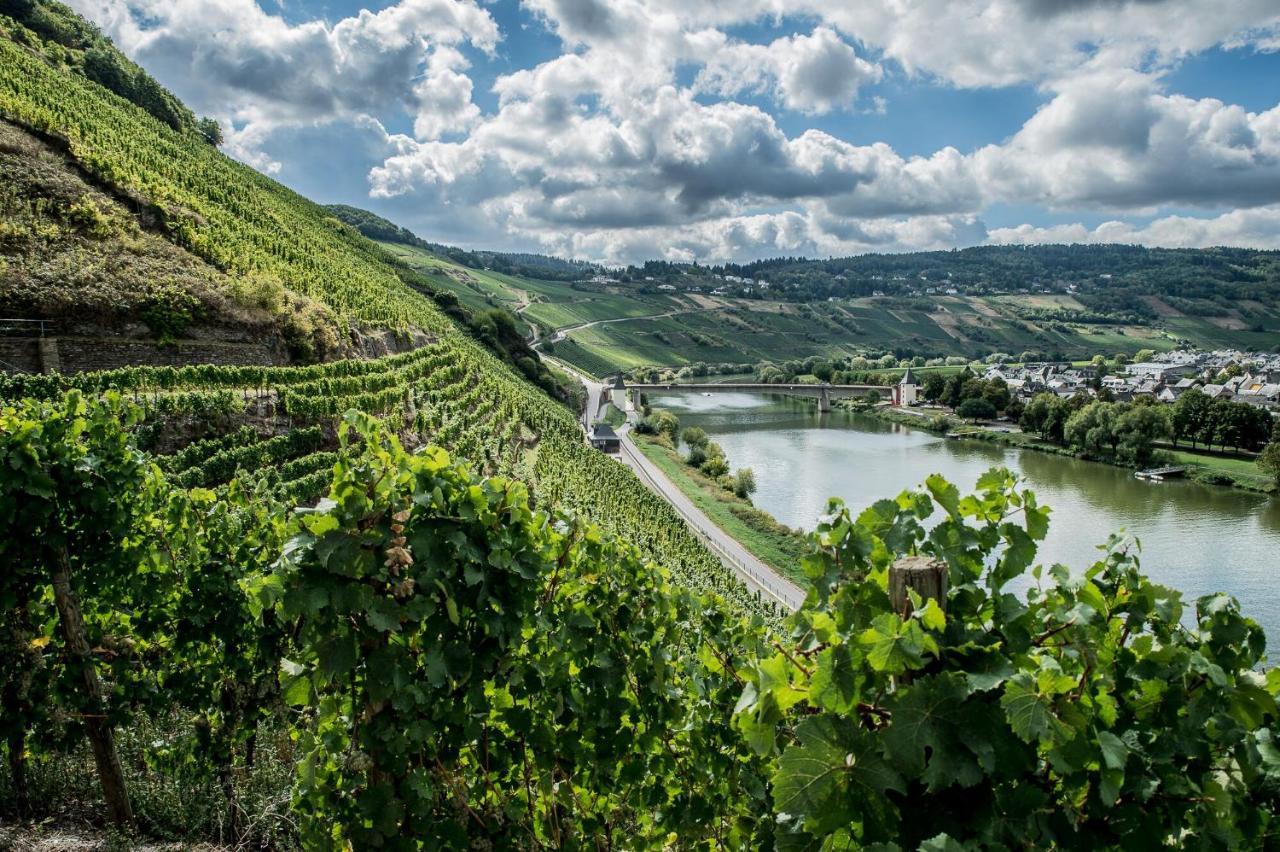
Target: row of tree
1121, 431
971, 397
1202, 420
709, 457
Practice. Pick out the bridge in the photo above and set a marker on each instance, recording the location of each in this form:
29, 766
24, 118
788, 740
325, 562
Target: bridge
824, 393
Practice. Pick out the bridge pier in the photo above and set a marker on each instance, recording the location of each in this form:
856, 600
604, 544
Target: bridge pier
824, 401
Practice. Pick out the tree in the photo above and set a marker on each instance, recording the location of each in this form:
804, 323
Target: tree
744, 482
715, 465
1035, 415
1144, 355
1093, 428
694, 436
106, 67
997, 393
1190, 417
211, 130
1138, 428
1269, 460
976, 408
934, 386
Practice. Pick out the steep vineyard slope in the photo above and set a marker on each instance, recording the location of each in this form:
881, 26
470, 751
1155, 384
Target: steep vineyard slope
276, 250
244, 231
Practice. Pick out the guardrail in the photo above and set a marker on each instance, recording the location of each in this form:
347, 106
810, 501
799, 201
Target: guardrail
791, 598
12, 324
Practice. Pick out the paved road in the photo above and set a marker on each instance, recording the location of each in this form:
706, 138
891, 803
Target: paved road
755, 574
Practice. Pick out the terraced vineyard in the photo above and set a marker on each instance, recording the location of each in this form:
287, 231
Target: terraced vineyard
450, 393
217, 208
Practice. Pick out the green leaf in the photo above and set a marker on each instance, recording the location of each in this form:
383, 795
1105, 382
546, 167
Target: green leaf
1030, 714
1114, 751
946, 494
835, 775
943, 843
835, 682
383, 615
927, 735
893, 646
295, 683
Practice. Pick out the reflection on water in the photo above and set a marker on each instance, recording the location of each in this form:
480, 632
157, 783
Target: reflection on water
1194, 537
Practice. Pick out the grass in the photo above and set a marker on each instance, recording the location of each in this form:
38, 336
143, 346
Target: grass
778, 546
1223, 470
614, 416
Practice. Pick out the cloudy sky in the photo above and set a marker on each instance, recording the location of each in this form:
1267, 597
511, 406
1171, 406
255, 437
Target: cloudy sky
619, 130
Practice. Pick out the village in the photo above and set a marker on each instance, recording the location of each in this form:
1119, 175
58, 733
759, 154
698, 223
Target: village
1231, 375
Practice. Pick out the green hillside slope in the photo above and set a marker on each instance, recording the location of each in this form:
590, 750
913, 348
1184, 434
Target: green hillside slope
236, 219
244, 227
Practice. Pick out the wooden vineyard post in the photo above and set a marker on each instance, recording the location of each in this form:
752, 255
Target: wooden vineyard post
100, 734
926, 575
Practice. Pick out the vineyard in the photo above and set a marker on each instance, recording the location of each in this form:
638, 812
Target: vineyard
219, 209
398, 603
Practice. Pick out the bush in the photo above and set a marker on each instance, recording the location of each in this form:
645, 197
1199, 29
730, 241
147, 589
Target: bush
1070, 720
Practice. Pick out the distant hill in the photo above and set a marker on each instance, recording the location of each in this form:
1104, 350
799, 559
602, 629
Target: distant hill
541, 266
1119, 280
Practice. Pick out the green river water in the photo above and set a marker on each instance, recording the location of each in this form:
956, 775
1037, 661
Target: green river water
1196, 538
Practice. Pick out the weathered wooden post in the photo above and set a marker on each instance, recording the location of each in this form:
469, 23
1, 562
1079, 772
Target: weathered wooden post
925, 574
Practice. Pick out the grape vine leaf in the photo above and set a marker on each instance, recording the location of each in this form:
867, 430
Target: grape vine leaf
836, 775
928, 736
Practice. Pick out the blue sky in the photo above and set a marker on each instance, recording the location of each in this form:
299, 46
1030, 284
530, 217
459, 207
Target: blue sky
623, 130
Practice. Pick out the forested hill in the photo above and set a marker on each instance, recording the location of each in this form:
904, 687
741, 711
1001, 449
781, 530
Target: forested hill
541, 266
1107, 277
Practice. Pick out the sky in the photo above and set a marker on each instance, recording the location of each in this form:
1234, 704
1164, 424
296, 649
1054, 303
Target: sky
730, 130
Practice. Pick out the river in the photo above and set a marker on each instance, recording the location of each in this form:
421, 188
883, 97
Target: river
1195, 538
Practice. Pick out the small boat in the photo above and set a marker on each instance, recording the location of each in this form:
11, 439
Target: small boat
706, 393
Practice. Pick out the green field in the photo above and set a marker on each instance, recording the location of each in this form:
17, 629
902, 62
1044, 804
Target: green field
1243, 471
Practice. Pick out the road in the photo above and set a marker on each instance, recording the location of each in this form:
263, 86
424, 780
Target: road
562, 333
755, 574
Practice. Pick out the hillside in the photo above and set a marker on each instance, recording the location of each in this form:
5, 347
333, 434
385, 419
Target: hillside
73, 146
1051, 301
91, 173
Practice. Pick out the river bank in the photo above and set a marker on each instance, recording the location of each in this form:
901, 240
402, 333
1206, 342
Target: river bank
1205, 468
777, 545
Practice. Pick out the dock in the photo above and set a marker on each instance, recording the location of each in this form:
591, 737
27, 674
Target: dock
1160, 474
